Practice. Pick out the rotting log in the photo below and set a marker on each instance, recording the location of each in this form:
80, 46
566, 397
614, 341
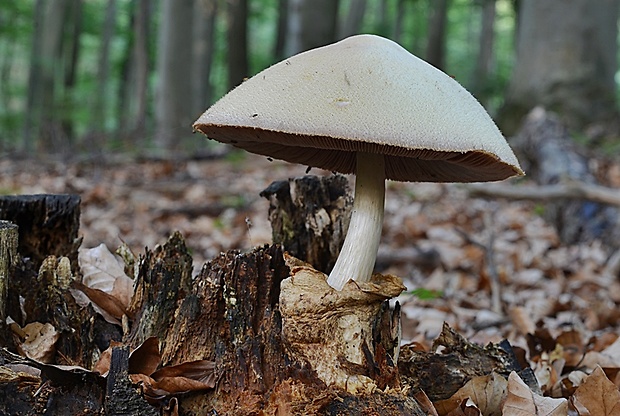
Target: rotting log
310, 216
48, 225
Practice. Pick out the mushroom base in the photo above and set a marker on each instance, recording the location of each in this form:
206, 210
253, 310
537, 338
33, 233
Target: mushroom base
334, 331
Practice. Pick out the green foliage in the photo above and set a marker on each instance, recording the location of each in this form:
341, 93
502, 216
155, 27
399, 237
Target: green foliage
74, 104
425, 294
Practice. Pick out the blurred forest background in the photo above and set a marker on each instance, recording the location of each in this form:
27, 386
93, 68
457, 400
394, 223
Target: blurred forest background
92, 76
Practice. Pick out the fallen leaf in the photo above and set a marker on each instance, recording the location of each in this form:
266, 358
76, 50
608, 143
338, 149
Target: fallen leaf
486, 392
465, 408
597, 396
201, 370
40, 342
102, 270
146, 358
425, 403
521, 401
106, 302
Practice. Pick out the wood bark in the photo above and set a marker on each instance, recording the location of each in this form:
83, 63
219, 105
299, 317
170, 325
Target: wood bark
566, 62
436, 44
281, 32
100, 105
133, 93
202, 55
40, 124
173, 104
310, 216
311, 23
8, 259
484, 60
353, 19
48, 225
237, 38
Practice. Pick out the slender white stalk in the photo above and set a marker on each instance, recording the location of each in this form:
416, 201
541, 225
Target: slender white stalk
359, 252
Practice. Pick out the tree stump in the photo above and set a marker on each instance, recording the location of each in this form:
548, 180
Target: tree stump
310, 216
48, 225
232, 315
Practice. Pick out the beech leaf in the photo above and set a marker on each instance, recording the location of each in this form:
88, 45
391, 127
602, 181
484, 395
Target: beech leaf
521, 401
486, 392
597, 396
40, 342
102, 270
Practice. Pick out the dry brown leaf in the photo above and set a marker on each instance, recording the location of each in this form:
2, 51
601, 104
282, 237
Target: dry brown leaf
597, 396
609, 357
40, 342
465, 408
179, 384
521, 401
102, 270
425, 403
146, 358
106, 302
103, 364
201, 370
486, 392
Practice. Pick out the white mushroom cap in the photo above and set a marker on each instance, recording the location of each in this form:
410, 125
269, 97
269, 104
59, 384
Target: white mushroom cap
365, 93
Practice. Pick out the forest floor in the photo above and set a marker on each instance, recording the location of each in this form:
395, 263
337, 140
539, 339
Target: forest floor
492, 269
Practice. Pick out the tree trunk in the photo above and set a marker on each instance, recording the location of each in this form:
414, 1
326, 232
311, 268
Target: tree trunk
566, 62
41, 124
484, 61
399, 21
280, 43
173, 103
100, 106
352, 22
382, 23
72, 34
436, 46
237, 37
202, 59
311, 23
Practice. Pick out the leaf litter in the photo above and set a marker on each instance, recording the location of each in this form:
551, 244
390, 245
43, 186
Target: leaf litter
491, 269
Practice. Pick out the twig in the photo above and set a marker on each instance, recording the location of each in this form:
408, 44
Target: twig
569, 190
489, 257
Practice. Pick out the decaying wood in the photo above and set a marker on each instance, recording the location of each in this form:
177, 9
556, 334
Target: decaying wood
550, 156
122, 398
440, 375
310, 216
8, 259
232, 315
164, 280
48, 225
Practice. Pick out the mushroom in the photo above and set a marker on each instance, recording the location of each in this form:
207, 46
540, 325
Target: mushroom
363, 105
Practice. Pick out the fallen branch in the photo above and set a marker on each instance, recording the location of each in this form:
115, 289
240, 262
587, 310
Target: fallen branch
569, 190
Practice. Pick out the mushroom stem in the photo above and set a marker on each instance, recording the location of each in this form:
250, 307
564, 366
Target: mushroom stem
359, 251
